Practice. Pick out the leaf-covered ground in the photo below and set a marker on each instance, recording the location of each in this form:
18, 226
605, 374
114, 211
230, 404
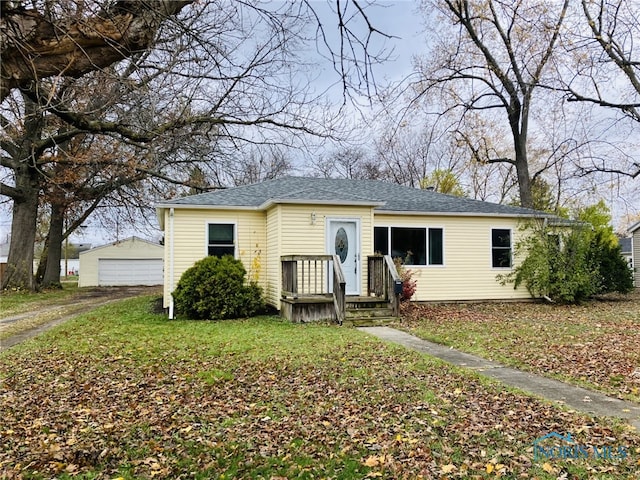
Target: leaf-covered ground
125, 393
596, 344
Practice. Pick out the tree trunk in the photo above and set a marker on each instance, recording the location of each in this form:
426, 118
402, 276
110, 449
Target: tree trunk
518, 121
51, 277
25, 196
42, 264
522, 170
19, 273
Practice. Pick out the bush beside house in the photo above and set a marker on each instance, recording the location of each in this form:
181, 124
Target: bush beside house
215, 288
575, 264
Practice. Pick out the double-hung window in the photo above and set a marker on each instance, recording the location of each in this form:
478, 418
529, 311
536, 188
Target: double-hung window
414, 246
501, 248
221, 239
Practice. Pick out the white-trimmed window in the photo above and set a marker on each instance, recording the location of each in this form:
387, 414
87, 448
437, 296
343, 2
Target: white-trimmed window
436, 246
221, 239
414, 246
501, 256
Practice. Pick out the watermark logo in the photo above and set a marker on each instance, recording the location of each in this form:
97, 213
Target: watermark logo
555, 446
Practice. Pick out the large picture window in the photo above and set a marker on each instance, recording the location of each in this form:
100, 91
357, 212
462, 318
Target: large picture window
221, 239
414, 246
501, 248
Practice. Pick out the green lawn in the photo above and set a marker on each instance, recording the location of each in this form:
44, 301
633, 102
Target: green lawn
596, 345
125, 393
13, 303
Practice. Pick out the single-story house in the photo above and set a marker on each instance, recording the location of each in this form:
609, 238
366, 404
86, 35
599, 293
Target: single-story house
288, 231
133, 261
634, 231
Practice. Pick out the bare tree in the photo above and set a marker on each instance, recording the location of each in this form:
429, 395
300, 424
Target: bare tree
604, 55
169, 74
493, 61
407, 154
255, 165
347, 162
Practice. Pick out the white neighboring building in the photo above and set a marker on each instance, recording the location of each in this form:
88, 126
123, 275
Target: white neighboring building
133, 261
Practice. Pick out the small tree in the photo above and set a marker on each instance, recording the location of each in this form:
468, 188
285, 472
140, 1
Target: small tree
613, 272
215, 288
572, 265
555, 266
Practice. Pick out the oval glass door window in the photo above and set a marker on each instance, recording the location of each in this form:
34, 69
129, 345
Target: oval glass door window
342, 244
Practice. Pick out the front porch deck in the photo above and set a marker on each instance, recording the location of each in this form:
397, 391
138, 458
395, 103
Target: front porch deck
313, 289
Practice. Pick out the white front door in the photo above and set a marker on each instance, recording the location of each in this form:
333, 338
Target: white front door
343, 241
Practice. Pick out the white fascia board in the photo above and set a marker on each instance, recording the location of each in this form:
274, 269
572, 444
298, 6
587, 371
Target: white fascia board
633, 227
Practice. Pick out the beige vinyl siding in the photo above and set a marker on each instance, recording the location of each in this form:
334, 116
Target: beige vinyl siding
131, 248
190, 241
299, 237
262, 237
635, 248
273, 271
467, 273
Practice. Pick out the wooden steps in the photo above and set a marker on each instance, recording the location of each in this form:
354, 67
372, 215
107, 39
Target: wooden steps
359, 311
367, 312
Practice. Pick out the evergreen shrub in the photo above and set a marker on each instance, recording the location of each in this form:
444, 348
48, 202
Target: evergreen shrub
215, 288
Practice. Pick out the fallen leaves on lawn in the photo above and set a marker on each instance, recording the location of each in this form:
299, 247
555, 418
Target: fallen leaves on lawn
595, 343
369, 408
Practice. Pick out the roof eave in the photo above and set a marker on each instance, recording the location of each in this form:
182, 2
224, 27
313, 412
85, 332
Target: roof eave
462, 214
634, 227
117, 242
160, 206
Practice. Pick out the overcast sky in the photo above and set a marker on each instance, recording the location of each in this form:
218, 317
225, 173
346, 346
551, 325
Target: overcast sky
398, 19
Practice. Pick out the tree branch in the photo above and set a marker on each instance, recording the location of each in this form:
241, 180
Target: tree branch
34, 47
10, 191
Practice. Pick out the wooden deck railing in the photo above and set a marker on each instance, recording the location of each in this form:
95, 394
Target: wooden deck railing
382, 279
309, 275
339, 290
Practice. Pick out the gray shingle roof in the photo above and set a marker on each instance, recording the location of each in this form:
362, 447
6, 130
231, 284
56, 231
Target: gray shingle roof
384, 196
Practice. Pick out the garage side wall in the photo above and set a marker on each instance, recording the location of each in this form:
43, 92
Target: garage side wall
130, 249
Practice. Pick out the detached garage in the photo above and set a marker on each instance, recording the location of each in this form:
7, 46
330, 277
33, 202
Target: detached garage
133, 261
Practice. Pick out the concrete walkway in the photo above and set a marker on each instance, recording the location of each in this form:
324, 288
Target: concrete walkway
576, 398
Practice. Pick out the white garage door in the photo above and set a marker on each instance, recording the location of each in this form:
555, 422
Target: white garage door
115, 271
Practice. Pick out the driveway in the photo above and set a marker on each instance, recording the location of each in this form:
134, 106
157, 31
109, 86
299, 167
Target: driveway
18, 328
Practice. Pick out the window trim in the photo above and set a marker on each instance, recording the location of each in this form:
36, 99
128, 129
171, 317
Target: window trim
426, 228
510, 229
437, 265
220, 222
